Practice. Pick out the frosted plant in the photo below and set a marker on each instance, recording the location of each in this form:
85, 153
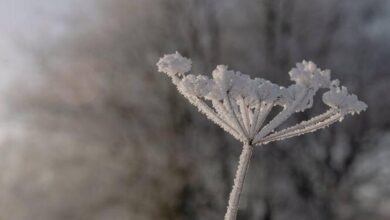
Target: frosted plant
240, 105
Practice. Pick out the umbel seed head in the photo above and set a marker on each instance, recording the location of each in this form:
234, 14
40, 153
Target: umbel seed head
241, 105
173, 64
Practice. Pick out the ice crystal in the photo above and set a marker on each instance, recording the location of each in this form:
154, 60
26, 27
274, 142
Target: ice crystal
241, 105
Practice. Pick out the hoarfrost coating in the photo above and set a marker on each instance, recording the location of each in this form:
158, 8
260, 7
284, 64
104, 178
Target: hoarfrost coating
240, 105
174, 64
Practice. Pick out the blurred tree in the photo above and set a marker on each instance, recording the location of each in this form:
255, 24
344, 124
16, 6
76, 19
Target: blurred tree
104, 136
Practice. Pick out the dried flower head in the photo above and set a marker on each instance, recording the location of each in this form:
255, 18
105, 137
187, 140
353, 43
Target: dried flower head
240, 104
173, 64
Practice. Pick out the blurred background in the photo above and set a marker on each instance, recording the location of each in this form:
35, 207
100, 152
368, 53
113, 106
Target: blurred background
91, 130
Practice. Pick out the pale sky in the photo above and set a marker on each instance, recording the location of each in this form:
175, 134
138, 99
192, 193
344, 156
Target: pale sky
25, 23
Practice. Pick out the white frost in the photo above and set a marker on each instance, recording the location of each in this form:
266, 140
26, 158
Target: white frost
340, 99
173, 64
196, 85
307, 74
241, 105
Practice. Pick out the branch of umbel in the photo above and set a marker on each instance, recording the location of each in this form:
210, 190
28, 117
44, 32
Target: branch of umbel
241, 105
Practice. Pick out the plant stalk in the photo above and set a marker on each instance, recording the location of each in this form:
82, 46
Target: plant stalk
234, 198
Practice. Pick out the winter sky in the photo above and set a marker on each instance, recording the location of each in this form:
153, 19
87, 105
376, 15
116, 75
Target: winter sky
27, 24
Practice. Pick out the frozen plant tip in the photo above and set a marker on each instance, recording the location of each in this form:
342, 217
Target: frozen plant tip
240, 105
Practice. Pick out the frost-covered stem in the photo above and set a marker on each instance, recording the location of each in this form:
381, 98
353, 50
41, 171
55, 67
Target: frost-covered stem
318, 119
279, 118
236, 110
234, 197
253, 119
253, 116
233, 115
223, 112
244, 113
203, 107
210, 113
304, 130
264, 111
